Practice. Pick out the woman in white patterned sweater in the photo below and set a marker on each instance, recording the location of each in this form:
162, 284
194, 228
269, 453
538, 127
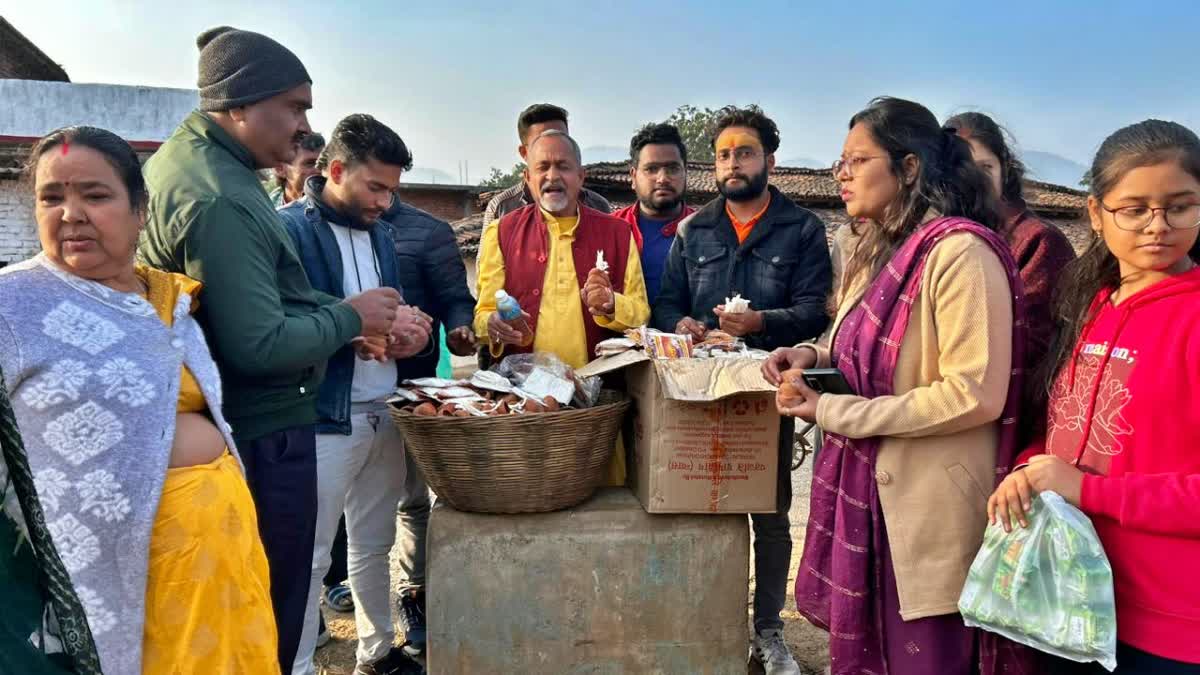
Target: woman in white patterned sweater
119, 402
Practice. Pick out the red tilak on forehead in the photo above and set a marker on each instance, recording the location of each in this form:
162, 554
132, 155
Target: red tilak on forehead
66, 147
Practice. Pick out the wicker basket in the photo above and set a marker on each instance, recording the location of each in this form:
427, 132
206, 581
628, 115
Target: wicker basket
515, 463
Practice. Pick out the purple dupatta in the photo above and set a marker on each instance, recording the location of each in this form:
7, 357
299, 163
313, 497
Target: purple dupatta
838, 585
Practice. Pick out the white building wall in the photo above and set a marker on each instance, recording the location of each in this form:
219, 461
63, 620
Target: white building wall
18, 231
32, 109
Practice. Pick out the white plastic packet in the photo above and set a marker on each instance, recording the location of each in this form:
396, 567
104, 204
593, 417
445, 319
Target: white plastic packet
737, 304
492, 381
434, 382
1048, 586
601, 263
542, 383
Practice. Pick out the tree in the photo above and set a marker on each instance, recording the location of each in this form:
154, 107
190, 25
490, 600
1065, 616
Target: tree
499, 179
695, 126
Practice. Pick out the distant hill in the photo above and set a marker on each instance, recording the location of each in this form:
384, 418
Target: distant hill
804, 163
1051, 168
604, 153
424, 174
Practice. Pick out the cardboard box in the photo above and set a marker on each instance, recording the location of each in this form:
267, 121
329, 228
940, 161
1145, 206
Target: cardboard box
705, 433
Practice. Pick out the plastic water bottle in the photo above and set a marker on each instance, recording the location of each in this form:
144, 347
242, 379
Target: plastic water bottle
510, 312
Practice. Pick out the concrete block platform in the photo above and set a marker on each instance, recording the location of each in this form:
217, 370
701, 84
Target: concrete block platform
604, 588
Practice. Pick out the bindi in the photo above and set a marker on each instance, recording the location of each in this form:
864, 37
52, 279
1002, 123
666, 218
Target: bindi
66, 147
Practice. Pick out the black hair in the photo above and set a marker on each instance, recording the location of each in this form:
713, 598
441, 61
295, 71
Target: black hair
978, 126
360, 137
659, 133
947, 180
313, 142
751, 117
1143, 144
115, 150
539, 113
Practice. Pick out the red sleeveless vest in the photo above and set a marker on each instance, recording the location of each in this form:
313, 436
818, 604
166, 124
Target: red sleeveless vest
525, 245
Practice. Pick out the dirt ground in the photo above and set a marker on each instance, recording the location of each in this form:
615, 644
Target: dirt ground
808, 644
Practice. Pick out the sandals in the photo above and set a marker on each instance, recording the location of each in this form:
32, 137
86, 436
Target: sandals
339, 598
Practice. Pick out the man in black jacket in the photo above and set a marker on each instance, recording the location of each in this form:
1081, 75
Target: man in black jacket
755, 242
434, 278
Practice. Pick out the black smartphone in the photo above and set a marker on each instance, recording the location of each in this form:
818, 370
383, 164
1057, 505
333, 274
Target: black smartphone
827, 381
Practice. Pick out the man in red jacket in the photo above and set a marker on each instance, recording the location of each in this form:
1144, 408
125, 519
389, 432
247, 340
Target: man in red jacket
659, 177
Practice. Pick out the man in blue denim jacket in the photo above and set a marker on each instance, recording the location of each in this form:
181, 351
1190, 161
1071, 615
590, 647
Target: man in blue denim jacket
755, 242
345, 248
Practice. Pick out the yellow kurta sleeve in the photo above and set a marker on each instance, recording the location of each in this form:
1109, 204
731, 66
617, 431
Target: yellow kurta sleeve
631, 308
489, 278
967, 286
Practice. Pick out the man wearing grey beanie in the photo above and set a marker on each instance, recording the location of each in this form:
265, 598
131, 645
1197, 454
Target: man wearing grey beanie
271, 333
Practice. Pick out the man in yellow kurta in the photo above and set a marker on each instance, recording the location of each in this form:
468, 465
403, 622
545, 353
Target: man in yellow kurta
546, 256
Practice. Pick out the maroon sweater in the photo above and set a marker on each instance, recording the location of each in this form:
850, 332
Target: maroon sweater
524, 242
1041, 251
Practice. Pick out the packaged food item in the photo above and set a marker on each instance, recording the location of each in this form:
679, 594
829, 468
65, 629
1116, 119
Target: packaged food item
408, 395
736, 305
447, 393
491, 381
669, 345
1048, 586
613, 346
542, 383
434, 382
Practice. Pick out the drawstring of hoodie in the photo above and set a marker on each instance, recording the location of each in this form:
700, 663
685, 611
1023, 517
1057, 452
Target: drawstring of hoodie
1098, 381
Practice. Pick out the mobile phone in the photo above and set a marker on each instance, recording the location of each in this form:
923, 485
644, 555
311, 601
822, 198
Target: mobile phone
827, 381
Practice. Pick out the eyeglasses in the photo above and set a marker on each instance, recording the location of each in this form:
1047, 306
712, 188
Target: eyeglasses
852, 164
672, 170
740, 154
1137, 218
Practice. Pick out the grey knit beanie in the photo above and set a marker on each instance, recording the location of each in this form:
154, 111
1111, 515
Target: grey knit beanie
238, 68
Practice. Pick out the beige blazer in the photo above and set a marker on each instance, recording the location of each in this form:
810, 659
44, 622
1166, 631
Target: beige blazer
936, 464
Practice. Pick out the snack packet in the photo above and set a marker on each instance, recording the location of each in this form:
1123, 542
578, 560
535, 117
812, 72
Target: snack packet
1048, 586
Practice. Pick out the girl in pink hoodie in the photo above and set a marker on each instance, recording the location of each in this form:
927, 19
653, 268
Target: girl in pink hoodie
1124, 409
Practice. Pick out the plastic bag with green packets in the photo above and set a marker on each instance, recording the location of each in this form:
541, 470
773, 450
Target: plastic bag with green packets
1048, 586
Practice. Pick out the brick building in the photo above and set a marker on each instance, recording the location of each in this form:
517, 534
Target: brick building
448, 202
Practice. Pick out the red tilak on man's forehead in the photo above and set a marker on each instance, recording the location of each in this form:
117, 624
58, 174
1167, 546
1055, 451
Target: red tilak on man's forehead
66, 147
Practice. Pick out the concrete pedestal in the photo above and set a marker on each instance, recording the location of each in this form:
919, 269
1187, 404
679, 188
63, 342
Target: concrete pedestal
602, 588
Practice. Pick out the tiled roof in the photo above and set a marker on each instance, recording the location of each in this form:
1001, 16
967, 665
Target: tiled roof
23, 59
806, 186
813, 187
467, 232
14, 154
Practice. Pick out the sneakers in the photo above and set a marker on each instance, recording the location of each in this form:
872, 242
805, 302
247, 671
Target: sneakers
769, 649
395, 663
412, 620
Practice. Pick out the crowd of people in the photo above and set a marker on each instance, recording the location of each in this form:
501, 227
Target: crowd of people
198, 370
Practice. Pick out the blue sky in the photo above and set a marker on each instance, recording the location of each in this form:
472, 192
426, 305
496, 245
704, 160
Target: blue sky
451, 77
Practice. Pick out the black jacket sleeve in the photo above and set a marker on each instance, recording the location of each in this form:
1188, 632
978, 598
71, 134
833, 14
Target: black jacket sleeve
444, 266
807, 317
